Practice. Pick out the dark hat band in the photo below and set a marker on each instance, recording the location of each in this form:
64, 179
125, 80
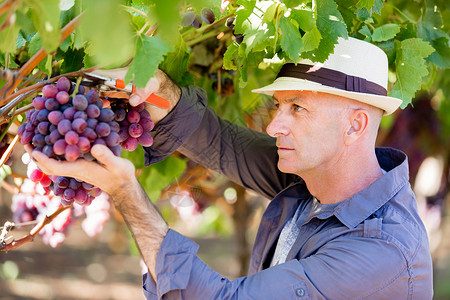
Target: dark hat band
331, 78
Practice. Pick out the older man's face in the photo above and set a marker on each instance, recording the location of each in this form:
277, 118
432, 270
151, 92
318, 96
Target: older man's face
309, 127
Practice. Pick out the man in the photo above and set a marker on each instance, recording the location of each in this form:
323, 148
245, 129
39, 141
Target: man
343, 222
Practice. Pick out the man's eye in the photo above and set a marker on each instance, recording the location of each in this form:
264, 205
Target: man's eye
297, 107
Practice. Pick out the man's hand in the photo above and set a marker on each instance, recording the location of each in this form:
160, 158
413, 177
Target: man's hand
160, 85
116, 176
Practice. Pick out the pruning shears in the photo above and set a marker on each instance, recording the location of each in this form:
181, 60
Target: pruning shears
106, 84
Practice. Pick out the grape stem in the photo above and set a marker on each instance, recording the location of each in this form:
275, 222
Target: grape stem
8, 151
32, 234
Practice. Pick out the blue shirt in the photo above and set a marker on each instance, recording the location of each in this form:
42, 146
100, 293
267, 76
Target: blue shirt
372, 245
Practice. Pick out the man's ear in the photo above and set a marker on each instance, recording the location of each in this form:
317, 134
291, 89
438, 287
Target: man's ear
357, 125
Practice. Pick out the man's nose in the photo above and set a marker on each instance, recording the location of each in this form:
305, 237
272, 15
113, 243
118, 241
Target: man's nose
277, 126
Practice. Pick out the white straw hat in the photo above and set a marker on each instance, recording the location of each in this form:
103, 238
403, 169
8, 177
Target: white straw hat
357, 70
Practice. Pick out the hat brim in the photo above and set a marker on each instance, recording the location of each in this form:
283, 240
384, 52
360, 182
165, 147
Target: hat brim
386, 103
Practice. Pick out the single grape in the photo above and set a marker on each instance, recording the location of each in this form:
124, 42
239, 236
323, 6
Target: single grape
239, 38
54, 136
103, 129
144, 114
51, 104
197, 23
147, 124
81, 90
133, 116
115, 127
58, 191
69, 113
72, 152
123, 134
74, 184
88, 156
60, 147
120, 115
30, 127
81, 196
62, 97
69, 194
63, 84
36, 175
80, 115
117, 150
21, 129
135, 130
89, 133
140, 107
43, 127
145, 139
79, 125
45, 181
64, 126
42, 115
208, 15
92, 123
92, 96
99, 141
130, 144
62, 182
230, 22
93, 111
106, 115
49, 91
71, 138
112, 139
26, 137
87, 186
84, 144
80, 102
55, 117
99, 103
39, 102
38, 140
48, 151
187, 18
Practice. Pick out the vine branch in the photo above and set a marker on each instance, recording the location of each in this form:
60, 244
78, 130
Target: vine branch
32, 234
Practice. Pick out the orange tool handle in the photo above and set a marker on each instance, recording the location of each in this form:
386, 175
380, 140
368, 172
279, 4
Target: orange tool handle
152, 99
158, 101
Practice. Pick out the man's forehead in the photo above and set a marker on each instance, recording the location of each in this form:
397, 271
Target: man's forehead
292, 96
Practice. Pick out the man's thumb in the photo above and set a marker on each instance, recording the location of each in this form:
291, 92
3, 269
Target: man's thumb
103, 155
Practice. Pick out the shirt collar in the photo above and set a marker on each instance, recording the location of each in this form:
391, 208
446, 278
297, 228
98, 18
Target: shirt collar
360, 206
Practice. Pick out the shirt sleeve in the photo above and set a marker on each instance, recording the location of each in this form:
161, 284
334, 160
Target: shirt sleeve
345, 269
245, 156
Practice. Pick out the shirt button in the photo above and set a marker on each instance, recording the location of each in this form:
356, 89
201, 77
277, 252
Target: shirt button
300, 292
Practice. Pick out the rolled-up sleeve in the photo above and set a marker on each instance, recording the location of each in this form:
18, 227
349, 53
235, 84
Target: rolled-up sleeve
351, 268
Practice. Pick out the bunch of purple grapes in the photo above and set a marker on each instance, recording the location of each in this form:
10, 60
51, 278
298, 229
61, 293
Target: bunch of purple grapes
135, 124
65, 128
190, 18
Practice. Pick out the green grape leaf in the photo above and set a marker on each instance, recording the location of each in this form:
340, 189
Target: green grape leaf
150, 52
291, 40
365, 3
304, 18
410, 68
241, 22
230, 57
385, 32
311, 39
46, 17
366, 32
158, 176
175, 63
331, 26
111, 40
440, 42
269, 14
8, 37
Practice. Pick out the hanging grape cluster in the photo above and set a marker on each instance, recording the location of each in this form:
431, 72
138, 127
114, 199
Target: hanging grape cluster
65, 128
